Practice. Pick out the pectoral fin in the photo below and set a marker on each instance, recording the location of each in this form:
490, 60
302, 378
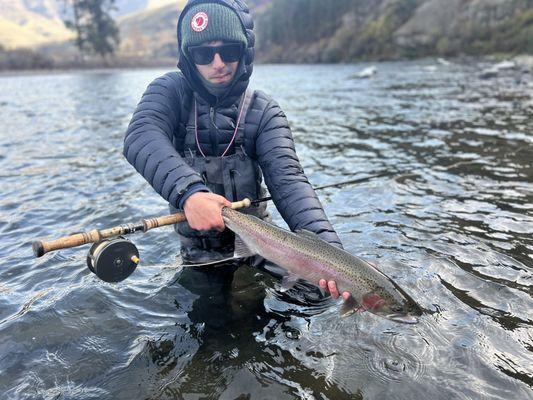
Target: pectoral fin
241, 249
348, 307
288, 282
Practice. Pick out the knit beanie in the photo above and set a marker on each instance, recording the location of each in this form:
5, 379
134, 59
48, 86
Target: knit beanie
208, 22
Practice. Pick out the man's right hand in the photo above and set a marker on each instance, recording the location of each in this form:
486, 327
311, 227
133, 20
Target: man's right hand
204, 211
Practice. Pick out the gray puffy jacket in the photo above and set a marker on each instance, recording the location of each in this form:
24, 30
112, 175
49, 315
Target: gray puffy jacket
155, 136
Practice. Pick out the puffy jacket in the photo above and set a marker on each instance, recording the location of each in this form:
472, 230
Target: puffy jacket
154, 139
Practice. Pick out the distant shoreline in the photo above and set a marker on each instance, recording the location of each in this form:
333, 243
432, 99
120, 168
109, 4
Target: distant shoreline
524, 61
28, 60
90, 68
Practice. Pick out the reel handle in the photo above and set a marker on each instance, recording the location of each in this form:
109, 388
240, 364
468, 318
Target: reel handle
40, 248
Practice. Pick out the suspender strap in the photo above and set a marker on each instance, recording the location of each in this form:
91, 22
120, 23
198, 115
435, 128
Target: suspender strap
191, 137
239, 139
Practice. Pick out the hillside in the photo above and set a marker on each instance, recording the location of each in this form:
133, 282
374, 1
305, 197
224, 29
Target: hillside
349, 30
150, 33
294, 30
31, 24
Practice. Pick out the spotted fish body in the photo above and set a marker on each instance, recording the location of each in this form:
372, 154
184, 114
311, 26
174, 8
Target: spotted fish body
304, 255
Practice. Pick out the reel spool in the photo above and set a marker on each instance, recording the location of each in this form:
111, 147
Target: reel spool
113, 260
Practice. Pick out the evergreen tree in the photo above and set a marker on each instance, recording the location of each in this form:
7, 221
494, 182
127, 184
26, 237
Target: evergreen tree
96, 30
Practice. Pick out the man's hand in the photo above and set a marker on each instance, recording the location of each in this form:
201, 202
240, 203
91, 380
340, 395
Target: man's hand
331, 287
204, 211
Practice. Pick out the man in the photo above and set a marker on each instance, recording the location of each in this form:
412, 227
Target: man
199, 137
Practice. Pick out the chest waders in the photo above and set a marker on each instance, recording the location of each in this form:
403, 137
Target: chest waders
235, 176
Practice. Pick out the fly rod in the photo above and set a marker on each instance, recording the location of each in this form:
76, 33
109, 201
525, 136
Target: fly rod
40, 248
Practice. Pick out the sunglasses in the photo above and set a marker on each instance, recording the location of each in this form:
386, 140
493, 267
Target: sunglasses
203, 55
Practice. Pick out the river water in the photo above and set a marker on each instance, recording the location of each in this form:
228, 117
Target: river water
451, 222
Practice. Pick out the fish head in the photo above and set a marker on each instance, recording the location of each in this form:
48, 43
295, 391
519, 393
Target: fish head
403, 310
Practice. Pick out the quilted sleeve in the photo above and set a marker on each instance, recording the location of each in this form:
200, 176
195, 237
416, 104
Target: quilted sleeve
148, 144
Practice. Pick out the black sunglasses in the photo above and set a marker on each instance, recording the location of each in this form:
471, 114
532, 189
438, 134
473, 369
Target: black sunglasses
203, 55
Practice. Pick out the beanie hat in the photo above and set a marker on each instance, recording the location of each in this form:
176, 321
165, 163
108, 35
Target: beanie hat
208, 22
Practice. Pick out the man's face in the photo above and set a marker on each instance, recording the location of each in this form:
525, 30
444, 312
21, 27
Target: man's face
218, 71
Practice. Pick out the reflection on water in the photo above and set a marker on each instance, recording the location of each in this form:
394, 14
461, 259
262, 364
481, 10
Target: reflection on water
448, 216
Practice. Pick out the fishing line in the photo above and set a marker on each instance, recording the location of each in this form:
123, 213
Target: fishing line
341, 184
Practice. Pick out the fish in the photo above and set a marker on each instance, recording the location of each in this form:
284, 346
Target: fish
305, 256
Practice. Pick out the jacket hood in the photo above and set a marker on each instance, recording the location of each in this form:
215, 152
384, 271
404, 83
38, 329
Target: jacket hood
244, 71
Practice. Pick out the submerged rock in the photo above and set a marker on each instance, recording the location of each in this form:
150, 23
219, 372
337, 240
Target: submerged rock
444, 62
494, 71
366, 73
488, 73
524, 62
506, 64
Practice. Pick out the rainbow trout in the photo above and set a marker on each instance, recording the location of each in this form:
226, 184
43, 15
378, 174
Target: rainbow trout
304, 255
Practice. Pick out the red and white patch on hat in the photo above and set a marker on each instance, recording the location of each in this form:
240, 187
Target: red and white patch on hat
199, 21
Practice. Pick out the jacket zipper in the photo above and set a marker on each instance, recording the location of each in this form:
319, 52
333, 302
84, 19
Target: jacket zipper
233, 186
213, 132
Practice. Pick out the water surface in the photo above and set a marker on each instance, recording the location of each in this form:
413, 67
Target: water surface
451, 222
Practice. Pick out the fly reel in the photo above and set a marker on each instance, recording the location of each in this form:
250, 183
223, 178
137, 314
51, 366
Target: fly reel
113, 260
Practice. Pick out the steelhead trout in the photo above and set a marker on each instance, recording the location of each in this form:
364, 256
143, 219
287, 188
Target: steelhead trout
304, 255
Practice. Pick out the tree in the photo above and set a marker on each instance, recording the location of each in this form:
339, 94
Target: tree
96, 30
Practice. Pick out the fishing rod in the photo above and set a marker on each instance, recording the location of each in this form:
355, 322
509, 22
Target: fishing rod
113, 258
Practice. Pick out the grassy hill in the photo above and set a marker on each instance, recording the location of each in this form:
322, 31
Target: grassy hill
31, 24
151, 33
22, 26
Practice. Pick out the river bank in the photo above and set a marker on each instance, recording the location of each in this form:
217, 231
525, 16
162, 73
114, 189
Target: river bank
32, 63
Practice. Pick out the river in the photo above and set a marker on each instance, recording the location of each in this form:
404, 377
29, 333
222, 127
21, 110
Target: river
451, 221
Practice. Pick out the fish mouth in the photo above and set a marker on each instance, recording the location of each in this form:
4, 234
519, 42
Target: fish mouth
403, 318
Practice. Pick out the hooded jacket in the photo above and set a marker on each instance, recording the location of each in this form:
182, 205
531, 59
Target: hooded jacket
154, 141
